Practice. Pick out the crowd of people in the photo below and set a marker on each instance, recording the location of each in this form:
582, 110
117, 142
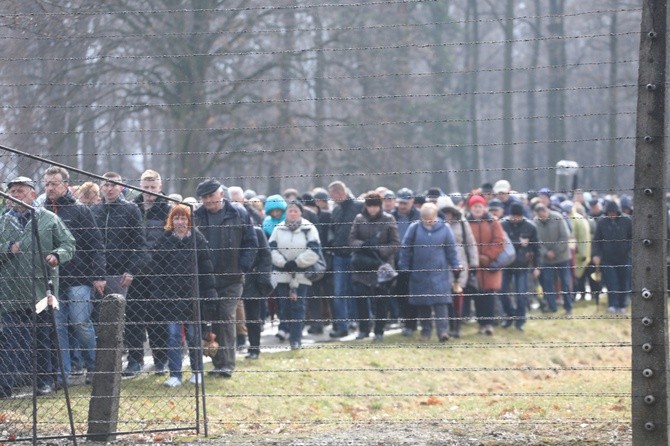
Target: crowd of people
231, 258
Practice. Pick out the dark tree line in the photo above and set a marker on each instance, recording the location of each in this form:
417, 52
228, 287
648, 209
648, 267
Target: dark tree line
288, 93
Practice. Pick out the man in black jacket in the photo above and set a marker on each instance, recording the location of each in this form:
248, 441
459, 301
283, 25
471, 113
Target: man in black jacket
611, 250
80, 277
125, 245
523, 234
140, 311
233, 244
347, 209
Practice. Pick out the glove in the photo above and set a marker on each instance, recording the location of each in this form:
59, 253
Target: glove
290, 266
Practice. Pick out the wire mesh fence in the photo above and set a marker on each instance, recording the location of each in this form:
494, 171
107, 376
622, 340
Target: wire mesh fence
209, 164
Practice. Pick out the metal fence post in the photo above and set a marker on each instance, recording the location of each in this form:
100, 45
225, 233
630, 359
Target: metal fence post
649, 304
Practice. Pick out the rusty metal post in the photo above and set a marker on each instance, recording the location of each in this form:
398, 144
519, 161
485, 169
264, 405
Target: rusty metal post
649, 296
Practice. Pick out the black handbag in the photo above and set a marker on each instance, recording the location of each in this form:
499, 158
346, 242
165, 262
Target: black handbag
365, 260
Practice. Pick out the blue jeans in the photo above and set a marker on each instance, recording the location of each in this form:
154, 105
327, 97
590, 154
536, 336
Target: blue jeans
344, 292
617, 280
74, 317
293, 310
548, 280
174, 348
518, 277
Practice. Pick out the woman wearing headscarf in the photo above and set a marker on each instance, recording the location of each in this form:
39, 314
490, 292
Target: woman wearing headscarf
490, 240
295, 246
374, 234
467, 255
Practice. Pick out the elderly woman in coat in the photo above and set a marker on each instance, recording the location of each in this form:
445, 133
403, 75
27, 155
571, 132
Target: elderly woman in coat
430, 255
295, 246
374, 234
467, 255
490, 240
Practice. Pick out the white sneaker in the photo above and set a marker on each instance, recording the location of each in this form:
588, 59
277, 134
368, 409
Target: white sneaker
612, 310
172, 381
196, 378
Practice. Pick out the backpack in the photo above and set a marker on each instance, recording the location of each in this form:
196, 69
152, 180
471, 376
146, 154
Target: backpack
507, 256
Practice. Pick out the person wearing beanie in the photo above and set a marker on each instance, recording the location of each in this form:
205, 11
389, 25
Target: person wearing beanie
489, 240
374, 240
514, 292
612, 246
275, 206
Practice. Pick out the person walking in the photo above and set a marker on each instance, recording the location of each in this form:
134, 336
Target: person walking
430, 256
489, 237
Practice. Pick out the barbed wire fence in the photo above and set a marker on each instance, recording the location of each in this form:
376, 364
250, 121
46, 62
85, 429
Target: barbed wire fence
302, 134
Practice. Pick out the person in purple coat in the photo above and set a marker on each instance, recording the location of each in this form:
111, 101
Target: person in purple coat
430, 256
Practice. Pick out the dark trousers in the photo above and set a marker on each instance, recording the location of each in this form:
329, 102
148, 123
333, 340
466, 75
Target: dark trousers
252, 311
139, 324
16, 350
371, 295
408, 312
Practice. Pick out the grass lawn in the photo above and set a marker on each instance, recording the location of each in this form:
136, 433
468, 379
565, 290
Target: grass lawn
561, 375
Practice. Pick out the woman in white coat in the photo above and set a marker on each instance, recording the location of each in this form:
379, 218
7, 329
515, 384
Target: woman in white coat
295, 247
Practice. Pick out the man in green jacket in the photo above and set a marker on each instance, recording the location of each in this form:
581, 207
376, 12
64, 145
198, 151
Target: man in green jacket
22, 275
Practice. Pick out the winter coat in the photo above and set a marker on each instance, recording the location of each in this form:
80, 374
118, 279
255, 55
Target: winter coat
301, 245
273, 202
342, 218
172, 276
490, 241
88, 263
153, 219
554, 236
464, 241
526, 256
18, 292
581, 242
612, 241
429, 255
258, 282
381, 233
235, 256
403, 221
122, 231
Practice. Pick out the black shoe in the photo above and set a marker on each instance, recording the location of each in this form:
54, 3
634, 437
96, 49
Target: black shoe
89, 377
362, 335
339, 333
44, 389
315, 330
506, 324
252, 355
132, 370
221, 372
160, 368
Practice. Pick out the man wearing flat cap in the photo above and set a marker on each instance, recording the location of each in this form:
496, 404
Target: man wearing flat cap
233, 244
24, 257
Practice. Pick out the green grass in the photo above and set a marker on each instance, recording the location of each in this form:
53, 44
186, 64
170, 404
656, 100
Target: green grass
542, 378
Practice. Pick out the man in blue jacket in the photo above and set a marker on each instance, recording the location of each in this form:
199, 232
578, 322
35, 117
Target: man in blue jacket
233, 244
